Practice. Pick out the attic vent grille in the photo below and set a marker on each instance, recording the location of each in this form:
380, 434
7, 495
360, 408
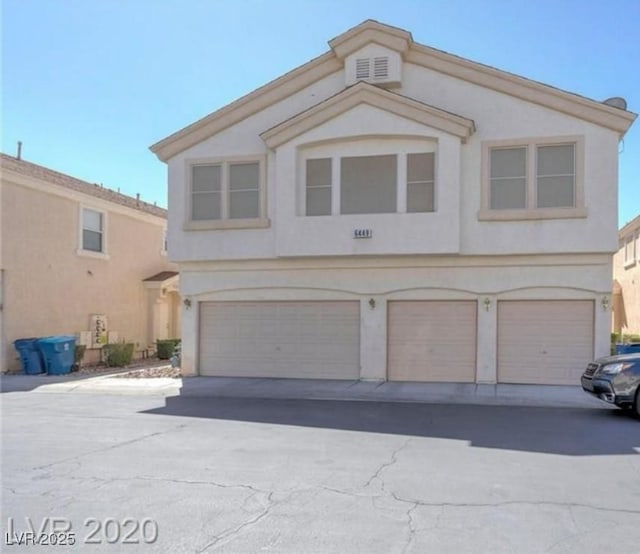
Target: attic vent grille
380, 68
362, 68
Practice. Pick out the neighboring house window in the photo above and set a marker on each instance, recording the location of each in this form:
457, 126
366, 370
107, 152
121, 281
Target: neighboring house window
532, 179
226, 191
629, 251
368, 184
318, 186
420, 182
165, 241
92, 230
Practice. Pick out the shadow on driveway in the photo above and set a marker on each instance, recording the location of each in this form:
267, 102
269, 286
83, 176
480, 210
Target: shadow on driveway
565, 431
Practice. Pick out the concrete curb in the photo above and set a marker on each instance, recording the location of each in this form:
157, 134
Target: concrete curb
311, 389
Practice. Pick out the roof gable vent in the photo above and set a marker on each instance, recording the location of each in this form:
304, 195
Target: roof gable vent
374, 64
381, 67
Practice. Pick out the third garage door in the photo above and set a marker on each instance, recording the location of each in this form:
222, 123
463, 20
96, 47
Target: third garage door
432, 341
545, 342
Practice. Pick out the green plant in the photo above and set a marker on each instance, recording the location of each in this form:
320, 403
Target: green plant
118, 355
80, 350
615, 337
166, 347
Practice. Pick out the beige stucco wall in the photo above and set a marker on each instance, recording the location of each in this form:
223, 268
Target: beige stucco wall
50, 288
626, 307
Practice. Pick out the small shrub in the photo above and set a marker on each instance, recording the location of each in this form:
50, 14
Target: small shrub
615, 337
166, 347
80, 350
118, 355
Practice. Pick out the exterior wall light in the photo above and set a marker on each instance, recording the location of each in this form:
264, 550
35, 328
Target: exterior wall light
605, 303
187, 303
372, 303
487, 303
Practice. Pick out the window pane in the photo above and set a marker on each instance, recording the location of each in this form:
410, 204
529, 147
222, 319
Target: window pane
205, 206
206, 178
91, 240
244, 176
555, 160
420, 167
508, 162
92, 220
420, 197
508, 194
319, 172
319, 201
244, 204
555, 192
368, 185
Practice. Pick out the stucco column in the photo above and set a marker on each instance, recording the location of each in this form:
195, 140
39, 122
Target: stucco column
373, 339
189, 352
602, 327
486, 354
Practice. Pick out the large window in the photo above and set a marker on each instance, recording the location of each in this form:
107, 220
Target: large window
629, 250
92, 230
533, 179
370, 184
226, 191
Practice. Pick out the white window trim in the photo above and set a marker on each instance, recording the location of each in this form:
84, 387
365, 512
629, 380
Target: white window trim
631, 239
531, 212
104, 255
224, 222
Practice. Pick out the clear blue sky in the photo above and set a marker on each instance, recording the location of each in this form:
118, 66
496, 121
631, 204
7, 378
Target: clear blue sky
88, 85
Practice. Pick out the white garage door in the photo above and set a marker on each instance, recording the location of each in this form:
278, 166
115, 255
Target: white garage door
544, 342
432, 341
280, 339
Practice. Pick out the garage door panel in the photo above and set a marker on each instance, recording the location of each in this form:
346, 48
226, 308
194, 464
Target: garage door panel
432, 341
544, 342
280, 339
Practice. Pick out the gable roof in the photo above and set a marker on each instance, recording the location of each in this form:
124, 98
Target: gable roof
401, 41
365, 93
629, 227
9, 163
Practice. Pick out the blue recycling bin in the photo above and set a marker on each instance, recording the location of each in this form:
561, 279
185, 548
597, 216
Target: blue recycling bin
58, 353
633, 348
30, 356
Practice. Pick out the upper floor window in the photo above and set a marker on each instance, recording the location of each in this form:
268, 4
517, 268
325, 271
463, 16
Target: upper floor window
370, 184
92, 230
533, 179
226, 194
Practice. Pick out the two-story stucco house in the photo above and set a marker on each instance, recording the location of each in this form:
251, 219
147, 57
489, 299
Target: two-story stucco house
392, 211
626, 280
75, 256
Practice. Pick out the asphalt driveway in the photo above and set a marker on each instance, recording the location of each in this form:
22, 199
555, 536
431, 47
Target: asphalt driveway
276, 475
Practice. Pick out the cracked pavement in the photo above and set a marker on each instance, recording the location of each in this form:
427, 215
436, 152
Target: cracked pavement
251, 475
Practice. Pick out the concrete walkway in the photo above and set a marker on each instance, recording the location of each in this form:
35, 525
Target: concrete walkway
310, 389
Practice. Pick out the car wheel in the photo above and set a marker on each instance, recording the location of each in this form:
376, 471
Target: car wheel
636, 404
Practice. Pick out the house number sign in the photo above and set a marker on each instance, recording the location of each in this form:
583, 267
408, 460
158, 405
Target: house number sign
362, 233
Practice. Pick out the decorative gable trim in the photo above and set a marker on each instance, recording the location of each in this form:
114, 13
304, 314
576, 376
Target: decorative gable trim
364, 93
532, 91
367, 32
246, 106
401, 41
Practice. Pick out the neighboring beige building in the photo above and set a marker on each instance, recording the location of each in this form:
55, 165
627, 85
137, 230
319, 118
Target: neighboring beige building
392, 211
626, 280
75, 255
